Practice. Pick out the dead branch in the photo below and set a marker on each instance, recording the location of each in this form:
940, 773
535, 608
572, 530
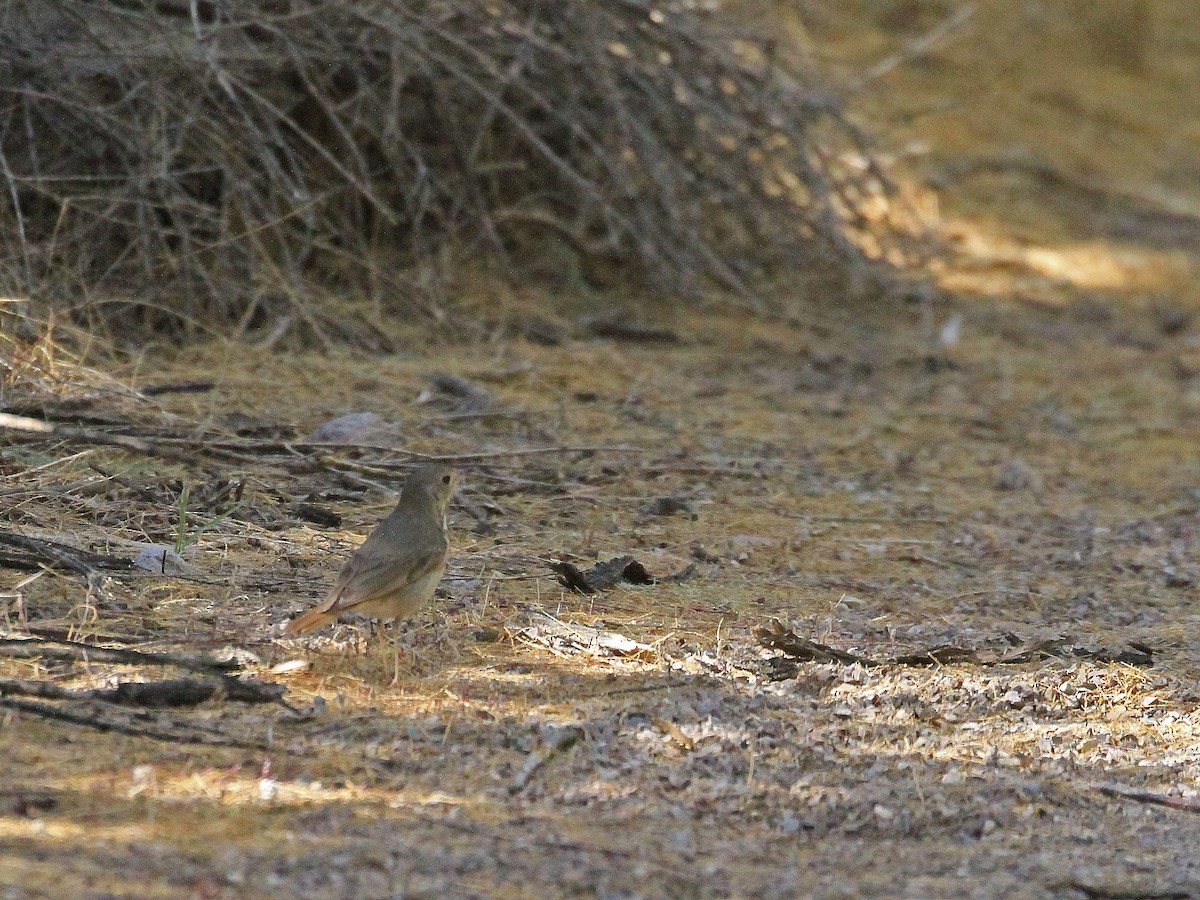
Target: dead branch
296, 455
1121, 792
184, 733
25, 423
75, 651
38, 552
776, 636
256, 154
176, 692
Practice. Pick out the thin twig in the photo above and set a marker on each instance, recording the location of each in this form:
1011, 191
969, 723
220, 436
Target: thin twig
916, 48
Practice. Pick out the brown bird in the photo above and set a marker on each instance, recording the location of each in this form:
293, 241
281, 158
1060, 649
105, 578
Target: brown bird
394, 573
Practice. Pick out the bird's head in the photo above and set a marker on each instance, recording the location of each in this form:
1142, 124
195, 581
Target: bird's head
431, 486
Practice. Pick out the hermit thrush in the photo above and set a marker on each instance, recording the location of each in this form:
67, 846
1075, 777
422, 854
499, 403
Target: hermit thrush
394, 573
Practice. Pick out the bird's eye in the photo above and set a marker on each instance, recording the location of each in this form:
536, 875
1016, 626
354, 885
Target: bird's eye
445, 479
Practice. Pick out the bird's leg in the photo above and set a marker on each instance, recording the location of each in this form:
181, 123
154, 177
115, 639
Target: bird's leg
364, 643
396, 650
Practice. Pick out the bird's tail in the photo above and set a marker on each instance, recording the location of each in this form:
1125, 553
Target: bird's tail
311, 621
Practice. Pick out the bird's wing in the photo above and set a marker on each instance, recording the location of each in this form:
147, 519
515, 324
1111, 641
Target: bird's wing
368, 575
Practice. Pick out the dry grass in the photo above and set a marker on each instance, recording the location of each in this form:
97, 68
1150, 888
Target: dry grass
841, 469
180, 170
861, 505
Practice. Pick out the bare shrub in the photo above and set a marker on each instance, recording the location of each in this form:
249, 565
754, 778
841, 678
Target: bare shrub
225, 164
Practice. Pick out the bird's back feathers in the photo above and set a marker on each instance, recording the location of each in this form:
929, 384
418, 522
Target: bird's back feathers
398, 567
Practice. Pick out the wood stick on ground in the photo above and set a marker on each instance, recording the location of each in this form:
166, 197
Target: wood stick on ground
776, 636
1121, 792
25, 423
175, 692
251, 445
59, 555
100, 724
80, 435
54, 648
505, 454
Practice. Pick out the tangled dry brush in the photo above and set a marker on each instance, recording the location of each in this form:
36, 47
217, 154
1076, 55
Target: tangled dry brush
230, 162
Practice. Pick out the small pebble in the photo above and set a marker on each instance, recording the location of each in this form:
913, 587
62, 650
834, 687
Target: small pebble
1018, 476
160, 559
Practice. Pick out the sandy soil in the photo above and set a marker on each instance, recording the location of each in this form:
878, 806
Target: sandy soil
1009, 470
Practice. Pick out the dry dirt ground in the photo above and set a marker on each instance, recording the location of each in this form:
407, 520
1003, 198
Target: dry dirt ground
1010, 473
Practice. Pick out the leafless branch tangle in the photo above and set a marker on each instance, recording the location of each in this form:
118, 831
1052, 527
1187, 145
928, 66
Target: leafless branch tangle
213, 153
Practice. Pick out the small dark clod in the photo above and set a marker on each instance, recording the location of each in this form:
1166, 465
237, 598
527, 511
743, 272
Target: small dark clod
668, 506
318, 515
